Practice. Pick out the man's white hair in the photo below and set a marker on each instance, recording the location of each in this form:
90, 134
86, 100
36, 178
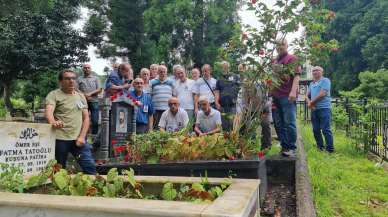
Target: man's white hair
317, 68
203, 98
225, 62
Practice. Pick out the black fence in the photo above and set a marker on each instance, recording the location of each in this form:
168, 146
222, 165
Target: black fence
366, 124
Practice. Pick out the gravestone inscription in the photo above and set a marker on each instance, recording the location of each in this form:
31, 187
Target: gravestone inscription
29, 146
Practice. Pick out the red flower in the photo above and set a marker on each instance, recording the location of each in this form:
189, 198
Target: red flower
260, 154
334, 49
121, 93
232, 158
261, 52
126, 158
253, 1
244, 36
269, 82
114, 141
138, 103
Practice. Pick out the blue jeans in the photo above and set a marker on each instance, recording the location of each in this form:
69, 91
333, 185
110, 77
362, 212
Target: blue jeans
321, 119
94, 116
284, 118
82, 154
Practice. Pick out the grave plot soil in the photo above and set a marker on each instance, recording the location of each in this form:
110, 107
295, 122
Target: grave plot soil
280, 201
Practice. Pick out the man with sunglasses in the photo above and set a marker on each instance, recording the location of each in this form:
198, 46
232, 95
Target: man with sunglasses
67, 112
144, 112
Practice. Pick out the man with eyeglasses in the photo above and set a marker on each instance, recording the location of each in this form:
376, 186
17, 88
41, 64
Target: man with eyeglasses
89, 85
144, 112
67, 112
175, 118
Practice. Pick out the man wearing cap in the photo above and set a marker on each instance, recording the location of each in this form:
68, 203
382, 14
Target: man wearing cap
208, 119
319, 101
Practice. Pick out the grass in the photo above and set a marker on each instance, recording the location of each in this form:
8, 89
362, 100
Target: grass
345, 183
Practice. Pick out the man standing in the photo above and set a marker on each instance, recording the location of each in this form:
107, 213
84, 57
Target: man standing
284, 98
205, 86
184, 91
319, 101
67, 112
175, 118
161, 91
154, 71
227, 88
145, 75
195, 74
89, 85
208, 119
144, 112
120, 80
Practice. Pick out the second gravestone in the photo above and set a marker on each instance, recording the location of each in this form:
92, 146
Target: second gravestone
29, 146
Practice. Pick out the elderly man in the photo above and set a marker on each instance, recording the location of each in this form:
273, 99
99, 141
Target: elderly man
184, 91
161, 91
284, 98
195, 74
120, 80
319, 101
208, 119
145, 75
175, 118
154, 71
227, 88
205, 86
144, 112
89, 85
67, 112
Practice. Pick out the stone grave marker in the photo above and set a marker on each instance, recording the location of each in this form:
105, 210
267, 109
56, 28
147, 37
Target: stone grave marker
29, 146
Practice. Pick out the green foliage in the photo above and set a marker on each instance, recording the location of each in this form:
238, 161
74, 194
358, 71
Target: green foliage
169, 192
360, 27
11, 178
373, 84
340, 117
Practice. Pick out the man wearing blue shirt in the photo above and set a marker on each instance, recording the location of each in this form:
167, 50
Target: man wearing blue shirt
144, 112
319, 101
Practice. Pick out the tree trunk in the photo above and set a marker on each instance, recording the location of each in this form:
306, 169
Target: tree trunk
7, 96
198, 34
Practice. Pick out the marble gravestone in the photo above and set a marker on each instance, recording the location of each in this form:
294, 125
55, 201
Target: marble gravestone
29, 146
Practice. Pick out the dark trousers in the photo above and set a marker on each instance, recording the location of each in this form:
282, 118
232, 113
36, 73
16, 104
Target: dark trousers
227, 116
82, 154
94, 116
321, 119
157, 116
141, 128
284, 117
266, 138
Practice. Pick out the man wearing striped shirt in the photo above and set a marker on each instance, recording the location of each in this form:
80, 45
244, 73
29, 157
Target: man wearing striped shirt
161, 91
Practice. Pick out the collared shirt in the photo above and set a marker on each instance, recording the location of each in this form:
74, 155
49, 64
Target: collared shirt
174, 123
184, 93
89, 84
228, 86
316, 87
202, 89
114, 78
145, 110
209, 122
161, 92
286, 85
68, 109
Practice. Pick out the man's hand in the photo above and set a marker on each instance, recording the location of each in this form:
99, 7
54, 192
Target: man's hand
57, 124
202, 134
218, 106
80, 141
292, 96
126, 86
311, 105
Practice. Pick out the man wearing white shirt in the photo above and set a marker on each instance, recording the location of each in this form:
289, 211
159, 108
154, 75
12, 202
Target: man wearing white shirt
174, 119
208, 119
205, 86
183, 88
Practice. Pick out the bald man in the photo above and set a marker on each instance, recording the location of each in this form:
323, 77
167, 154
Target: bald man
175, 118
89, 85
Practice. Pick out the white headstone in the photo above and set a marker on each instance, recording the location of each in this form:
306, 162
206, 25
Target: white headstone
29, 146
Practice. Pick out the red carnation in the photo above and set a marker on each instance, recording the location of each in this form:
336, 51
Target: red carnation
232, 158
121, 93
114, 141
126, 158
253, 1
269, 82
261, 154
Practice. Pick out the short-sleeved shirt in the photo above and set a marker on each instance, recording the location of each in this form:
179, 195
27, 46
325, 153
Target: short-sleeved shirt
161, 92
68, 109
286, 84
145, 110
89, 84
209, 122
174, 123
184, 93
228, 86
316, 87
202, 89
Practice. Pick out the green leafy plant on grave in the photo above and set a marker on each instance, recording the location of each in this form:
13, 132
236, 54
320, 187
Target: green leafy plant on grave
57, 181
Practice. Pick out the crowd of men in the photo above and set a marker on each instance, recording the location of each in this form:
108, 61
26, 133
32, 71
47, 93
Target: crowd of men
170, 103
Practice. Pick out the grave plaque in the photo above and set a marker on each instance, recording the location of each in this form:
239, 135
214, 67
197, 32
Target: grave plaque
29, 146
122, 124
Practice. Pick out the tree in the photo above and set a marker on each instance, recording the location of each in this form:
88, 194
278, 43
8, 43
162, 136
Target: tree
361, 28
37, 36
